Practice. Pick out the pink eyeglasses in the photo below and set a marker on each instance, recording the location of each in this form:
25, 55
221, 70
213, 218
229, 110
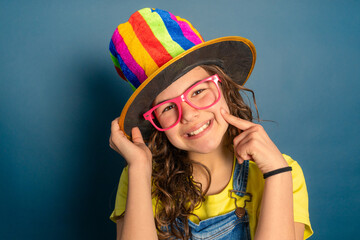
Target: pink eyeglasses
201, 95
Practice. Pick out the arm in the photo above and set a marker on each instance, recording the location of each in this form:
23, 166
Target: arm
299, 230
119, 225
275, 201
139, 217
138, 221
276, 215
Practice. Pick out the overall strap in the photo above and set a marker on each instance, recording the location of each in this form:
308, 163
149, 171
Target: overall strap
240, 178
239, 188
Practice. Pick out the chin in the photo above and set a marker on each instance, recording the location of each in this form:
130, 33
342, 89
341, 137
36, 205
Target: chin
206, 147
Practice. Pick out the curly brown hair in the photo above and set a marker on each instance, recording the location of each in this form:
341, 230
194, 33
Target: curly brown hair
175, 191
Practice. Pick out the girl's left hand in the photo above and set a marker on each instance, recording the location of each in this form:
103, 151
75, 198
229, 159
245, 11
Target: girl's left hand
253, 143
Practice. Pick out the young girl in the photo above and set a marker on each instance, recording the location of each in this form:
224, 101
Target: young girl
198, 167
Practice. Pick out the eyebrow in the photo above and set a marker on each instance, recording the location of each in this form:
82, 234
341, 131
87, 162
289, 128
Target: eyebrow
180, 94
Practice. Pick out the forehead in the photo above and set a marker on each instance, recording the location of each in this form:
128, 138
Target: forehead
181, 84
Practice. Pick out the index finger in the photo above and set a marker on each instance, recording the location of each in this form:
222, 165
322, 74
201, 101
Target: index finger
235, 121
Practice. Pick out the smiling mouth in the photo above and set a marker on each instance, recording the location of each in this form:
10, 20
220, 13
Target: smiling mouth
202, 128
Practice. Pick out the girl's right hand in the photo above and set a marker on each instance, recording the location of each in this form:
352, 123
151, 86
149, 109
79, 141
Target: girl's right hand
254, 144
135, 152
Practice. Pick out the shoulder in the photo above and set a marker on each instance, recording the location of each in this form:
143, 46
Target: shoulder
124, 179
290, 161
296, 169
121, 195
125, 172
256, 181
297, 173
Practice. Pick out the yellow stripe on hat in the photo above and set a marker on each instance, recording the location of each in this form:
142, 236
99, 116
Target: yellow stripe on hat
160, 31
138, 52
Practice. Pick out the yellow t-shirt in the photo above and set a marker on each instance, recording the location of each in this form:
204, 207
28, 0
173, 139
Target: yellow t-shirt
221, 203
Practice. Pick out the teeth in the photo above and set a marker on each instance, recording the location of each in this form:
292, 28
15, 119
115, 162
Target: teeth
206, 125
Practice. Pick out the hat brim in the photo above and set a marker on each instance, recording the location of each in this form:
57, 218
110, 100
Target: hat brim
237, 56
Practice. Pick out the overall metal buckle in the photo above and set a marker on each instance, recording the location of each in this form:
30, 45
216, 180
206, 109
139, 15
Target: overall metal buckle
240, 211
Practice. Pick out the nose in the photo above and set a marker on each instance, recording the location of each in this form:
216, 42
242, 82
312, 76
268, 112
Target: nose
188, 113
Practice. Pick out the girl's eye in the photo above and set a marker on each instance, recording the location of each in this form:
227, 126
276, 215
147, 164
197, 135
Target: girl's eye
168, 108
197, 92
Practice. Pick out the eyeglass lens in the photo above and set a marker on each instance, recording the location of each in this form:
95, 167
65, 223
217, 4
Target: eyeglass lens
201, 96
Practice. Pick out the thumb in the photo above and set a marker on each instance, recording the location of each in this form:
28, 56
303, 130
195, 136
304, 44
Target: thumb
136, 135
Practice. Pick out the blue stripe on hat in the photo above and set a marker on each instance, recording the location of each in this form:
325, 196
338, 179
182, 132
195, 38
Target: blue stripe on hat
130, 76
174, 30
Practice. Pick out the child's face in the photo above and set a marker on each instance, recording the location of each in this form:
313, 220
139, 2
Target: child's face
199, 131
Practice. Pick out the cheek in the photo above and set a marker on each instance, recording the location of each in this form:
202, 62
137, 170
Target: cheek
221, 104
172, 136
224, 104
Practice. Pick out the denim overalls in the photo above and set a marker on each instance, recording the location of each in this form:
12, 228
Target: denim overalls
232, 225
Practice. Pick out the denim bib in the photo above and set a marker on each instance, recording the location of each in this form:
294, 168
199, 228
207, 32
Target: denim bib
232, 225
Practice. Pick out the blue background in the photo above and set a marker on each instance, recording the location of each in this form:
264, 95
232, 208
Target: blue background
59, 93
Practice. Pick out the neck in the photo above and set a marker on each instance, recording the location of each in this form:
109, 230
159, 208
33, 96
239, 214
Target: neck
213, 159
219, 163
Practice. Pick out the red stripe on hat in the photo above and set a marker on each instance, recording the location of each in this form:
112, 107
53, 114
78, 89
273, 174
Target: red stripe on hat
148, 40
120, 73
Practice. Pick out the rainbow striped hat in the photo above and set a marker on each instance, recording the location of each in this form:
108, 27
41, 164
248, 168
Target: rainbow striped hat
155, 47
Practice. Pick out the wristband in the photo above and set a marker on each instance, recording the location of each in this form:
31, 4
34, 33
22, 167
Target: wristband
277, 171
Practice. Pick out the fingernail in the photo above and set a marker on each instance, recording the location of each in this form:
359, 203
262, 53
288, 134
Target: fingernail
223, 111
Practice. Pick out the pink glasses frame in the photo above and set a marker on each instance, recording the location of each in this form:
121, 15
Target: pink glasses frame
149, 115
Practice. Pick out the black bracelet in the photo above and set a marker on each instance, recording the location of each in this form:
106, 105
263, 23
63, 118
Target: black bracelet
277, 171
